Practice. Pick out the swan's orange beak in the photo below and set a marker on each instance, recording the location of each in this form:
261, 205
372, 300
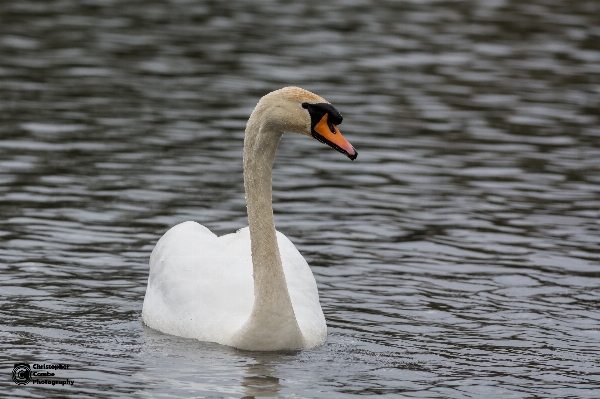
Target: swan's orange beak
329, 134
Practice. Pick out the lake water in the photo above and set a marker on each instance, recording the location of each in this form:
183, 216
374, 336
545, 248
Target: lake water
457, 257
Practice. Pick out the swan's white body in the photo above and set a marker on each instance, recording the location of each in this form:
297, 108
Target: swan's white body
203, 286
251, 289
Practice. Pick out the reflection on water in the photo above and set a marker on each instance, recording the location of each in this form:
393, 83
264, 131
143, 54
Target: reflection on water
260, 379
457, 257
214, 369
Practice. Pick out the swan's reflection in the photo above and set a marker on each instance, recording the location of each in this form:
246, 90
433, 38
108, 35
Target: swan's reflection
261, 376
260, 381
184, 367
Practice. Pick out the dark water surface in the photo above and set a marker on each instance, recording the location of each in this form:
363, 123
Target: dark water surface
459, 256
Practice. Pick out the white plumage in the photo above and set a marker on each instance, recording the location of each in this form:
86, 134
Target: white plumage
201, 285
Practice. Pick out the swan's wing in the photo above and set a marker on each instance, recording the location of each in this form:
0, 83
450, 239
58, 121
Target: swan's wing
197, 287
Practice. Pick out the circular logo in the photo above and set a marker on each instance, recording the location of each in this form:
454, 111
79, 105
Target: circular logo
21, 374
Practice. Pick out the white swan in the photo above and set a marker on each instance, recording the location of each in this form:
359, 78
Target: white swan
251, 289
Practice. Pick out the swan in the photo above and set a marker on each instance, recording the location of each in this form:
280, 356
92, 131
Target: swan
251, 289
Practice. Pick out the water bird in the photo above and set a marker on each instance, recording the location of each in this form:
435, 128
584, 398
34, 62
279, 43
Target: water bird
251, 289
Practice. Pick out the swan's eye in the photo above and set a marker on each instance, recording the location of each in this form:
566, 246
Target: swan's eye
331, 127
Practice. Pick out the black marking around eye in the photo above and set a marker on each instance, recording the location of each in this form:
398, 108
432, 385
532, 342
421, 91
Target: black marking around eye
317, 111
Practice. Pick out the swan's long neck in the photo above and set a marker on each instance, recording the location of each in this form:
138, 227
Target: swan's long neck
272, 323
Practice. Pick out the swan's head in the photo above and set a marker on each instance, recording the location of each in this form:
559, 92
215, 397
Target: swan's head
296, 110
